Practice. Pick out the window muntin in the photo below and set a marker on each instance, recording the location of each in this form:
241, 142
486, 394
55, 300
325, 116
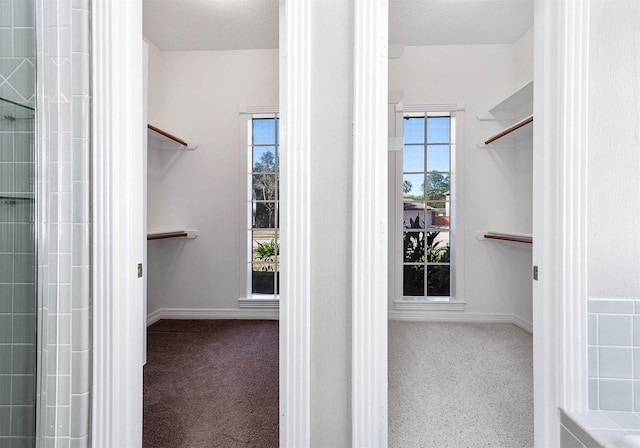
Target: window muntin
426, 183
263, 204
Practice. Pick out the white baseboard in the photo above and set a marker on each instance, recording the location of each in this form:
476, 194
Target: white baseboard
154, 317
399, 315
212, 313
520, 322
438, 316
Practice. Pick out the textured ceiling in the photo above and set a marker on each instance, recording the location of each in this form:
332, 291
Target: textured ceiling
245, 24
211, 24
451, 22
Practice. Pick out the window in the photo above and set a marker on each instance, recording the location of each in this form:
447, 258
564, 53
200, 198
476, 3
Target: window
263, 204
429, 139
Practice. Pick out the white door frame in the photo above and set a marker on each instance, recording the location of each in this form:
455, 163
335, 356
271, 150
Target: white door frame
561, 50
117, 237
561, 39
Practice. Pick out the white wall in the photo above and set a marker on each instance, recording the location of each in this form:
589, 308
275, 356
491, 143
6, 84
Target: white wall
614, 150
524, 58
497, 183
198, 96
613, 205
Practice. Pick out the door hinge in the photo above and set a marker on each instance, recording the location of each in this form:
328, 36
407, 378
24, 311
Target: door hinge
535, 272
139, 270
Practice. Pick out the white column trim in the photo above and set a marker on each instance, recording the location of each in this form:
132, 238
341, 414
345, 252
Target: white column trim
117, 136
559, 210
295, 175
369, 259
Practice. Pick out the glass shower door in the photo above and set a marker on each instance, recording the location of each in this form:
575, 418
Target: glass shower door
17, 225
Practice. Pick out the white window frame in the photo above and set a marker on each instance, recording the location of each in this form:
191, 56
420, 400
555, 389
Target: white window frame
456, 300
250, 300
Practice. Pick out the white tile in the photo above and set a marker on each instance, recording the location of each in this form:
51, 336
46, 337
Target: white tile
24, 13
636, 331
626, 420
66, 213
81, 333
81, 202
592, 329
80, 373
81, 114
22, 420
80, 415
80, 26
615, 395
24, 268
80, 286
636, 396
5, 14
80, 159
636, 363
568, 440
6, 41
615, 362
610, 306
80, 74
614, 330
63, 422
593, 362
81, 245
24, 42
64, 268
637, 306
65, 237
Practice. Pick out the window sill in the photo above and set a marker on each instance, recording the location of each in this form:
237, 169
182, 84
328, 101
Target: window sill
258, 301
407, 304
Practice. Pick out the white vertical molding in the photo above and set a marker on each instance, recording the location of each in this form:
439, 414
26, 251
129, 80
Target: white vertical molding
559, 210
295, 295
575, 115
370, 222
117, 132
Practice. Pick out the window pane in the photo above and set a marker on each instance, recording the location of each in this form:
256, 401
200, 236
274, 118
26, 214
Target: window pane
264, 215
413, 215
438, 280
413, 186
264, 131
414, 130
413, 247
438, 158
438, 130
413, 159
438, 215
437, 249
264, 159
264, 245
438, 186
264, 187
263, 278
413, 280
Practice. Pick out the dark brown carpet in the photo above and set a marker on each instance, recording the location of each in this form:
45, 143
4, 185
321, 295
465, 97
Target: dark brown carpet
211, 383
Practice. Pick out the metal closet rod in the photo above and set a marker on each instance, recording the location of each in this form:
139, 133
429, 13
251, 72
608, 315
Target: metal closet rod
166, 134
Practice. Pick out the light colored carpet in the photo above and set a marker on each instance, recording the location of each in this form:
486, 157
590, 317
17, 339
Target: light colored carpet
460, 385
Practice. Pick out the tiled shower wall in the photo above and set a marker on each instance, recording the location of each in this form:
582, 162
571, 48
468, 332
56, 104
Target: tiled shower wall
614, 354
17, 245
64, 222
